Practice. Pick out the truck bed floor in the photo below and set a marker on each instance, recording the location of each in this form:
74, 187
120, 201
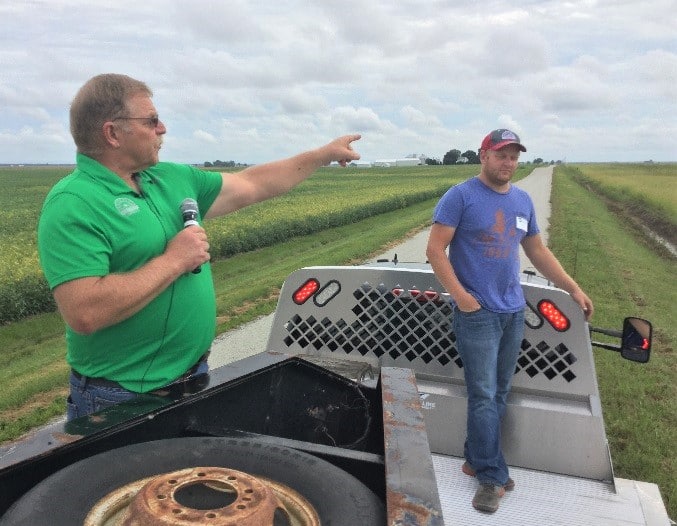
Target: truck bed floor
543, 498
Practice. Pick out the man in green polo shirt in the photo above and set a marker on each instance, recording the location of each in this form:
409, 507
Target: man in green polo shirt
115, 252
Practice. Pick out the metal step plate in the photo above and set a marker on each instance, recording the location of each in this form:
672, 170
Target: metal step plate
545, 499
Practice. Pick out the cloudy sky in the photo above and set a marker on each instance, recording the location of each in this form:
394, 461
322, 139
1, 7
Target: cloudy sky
250, 81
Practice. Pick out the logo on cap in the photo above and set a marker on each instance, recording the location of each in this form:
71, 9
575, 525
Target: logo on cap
497, 139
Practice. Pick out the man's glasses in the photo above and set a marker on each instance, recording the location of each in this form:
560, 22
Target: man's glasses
150, 121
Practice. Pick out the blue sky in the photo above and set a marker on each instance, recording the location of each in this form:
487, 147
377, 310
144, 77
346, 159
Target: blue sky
581, 80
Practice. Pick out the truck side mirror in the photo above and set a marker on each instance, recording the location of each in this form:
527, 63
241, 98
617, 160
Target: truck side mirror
636, 340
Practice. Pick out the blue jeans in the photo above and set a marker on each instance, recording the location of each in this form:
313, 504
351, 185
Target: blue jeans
86, 397
489, 345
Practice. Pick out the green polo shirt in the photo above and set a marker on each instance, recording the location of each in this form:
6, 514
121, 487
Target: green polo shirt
94, 224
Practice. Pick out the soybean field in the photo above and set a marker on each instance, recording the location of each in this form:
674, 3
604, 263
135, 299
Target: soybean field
330, 198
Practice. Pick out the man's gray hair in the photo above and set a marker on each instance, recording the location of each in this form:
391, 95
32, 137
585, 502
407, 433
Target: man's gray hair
102, 98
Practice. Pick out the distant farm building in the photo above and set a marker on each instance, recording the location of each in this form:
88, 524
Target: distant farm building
408, 162
384, 163
397, 162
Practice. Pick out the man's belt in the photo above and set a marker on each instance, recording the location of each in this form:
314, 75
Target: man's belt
104, 382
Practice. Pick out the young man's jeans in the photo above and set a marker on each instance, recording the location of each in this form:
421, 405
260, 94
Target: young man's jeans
86, 397
489, 345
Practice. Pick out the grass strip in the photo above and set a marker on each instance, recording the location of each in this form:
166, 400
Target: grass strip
624, 277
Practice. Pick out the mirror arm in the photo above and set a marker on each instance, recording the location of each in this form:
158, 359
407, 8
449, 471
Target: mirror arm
608, 332
608, 346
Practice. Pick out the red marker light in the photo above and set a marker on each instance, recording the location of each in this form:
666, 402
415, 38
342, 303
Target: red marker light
554, 316
645, 344
305, 291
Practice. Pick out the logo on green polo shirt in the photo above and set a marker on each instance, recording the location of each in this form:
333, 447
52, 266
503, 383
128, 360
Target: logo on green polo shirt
126, 206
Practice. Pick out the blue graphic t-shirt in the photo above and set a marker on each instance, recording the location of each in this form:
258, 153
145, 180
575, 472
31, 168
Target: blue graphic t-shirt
484, 251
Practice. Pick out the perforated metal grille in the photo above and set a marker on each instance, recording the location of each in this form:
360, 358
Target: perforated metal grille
385, 323
543, 359
413, 328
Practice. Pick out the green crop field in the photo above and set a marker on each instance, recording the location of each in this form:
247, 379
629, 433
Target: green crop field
652, 184
332, 197
646, 192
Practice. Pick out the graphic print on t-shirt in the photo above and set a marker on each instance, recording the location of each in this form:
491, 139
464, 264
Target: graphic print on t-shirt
498, 240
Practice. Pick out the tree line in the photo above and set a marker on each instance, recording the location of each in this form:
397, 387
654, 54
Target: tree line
222, 164
468, 157
451, 157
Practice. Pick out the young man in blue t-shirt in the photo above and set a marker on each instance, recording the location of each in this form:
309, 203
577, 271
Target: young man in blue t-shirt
483, 221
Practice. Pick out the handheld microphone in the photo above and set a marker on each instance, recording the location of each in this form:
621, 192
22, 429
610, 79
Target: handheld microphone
189, 212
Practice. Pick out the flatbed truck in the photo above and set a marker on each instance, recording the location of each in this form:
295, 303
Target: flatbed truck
354, 414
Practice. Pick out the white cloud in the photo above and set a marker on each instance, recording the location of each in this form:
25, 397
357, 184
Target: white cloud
417, 118
255, 81
204, 136
361, 119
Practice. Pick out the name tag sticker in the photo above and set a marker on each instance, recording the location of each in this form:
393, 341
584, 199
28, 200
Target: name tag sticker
522, 223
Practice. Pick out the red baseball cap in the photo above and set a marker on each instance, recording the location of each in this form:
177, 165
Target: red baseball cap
497, 139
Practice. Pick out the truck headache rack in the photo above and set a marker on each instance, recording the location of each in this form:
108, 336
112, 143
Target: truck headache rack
398, 316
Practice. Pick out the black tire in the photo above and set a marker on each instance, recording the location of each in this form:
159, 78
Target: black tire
66, 497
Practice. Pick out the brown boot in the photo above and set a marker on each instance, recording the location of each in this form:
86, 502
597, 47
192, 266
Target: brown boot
487, 497
468, 470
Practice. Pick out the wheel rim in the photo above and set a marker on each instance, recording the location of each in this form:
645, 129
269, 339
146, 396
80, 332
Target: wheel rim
203, 495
